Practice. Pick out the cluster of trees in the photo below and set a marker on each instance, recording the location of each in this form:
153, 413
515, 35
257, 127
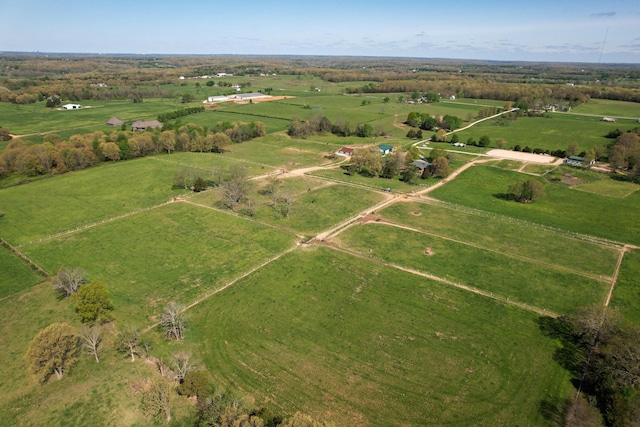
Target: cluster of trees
425, 121
320, 124
525, 191
602, 351
85, 150
179, 113
625, 153
368, 161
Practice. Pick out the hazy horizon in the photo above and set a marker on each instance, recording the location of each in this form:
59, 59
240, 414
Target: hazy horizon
547, 31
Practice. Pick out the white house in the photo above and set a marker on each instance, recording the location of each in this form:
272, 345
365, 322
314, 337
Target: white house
71, 106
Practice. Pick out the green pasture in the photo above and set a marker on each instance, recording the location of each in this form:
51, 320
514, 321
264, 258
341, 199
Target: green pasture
177, 252
511, 238
317, 204
37, 118
210, 118
280, 152
528, 282
356, 343
15, 274
80, 198
208, 162
626, 294
555, 132
483, 187
538, 169
591, 181
606, 107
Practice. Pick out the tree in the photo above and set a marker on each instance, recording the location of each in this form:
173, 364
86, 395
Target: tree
182, 363
367, 160
68, 280
220, 140
195, 383
484, 141
455, 138
441, 135
92, 303
409, 175
199, 185
156, 400
440, 167
4, 134
501, 142
90, 338
128, 341
235, 188
173, 321
167, 141
52, 351
572, 149
527, 190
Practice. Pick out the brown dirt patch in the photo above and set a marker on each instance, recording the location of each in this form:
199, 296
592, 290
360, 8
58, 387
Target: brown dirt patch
293, 163
370, 218
428, 251
273, 98
416, 213
570, 179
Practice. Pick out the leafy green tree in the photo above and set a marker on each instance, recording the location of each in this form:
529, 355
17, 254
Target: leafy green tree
195, 383
440, 167
367, 160
52, 351
452, 122
484, 141
199, 185
527, 190
455, 138
409, 175
441, 135
92, 303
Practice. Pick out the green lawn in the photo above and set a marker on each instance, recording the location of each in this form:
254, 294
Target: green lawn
350, 341
480, 187
497, 233
174, 253
15, 274
75, 199
553, 133
626, 295
605, 107
541, 286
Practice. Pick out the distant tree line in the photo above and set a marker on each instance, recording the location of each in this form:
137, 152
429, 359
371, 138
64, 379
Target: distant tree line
80, 151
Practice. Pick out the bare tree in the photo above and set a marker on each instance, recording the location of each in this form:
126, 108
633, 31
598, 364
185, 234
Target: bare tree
68, 280
282, 203
90, 338
173, 321
128, 341
235, 188
183, 363
156, 400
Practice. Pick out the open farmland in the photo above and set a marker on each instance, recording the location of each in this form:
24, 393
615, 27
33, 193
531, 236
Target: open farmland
359, 300
337, 335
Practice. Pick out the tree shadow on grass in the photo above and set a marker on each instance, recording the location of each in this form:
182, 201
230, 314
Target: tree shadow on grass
505, 196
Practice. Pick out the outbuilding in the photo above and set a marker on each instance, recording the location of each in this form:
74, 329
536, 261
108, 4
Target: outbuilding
114, 121
142, 126
385, 149
345, 151
72, 106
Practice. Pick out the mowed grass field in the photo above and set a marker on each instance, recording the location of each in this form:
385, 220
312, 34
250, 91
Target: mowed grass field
626, 295
348, 340
16, 274
481, 187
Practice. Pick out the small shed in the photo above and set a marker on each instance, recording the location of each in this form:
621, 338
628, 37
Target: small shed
609, 119
577, 161
385, 149
345, 151
72, 106
114, 121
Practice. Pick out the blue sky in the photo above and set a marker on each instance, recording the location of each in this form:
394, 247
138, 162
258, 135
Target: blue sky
540, 30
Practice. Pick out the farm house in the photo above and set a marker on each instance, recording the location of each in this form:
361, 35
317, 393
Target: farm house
142, 126
345, 151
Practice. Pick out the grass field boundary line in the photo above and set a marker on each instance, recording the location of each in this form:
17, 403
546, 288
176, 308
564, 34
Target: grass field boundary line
95, 224
614, 279
505, 300
601, 241
228, 284
352, 184
598, 277
25, 258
